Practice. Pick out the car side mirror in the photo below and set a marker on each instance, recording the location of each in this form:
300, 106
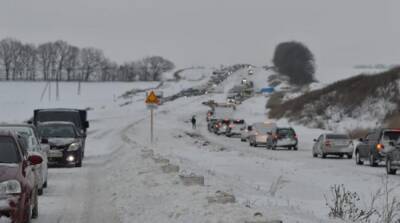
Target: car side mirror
35, 159
44, 141
315, 140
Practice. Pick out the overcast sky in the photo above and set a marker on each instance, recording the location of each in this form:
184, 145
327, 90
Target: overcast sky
341, 33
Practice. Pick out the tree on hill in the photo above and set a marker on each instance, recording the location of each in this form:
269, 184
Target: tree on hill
296, 61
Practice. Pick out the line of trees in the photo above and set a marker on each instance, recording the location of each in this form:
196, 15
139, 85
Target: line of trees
61, 61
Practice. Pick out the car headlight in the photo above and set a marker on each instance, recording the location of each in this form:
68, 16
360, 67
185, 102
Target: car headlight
73, 147
10, 187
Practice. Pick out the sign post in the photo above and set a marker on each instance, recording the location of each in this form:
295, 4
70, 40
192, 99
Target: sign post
152, 102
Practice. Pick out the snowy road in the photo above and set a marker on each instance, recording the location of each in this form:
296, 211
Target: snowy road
119, 183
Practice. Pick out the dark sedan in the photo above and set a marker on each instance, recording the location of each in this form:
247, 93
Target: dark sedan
66, 143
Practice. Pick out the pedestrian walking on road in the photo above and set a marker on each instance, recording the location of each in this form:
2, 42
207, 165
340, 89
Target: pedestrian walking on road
193, 122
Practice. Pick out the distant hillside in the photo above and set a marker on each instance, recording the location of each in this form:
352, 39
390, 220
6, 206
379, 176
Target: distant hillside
363, 101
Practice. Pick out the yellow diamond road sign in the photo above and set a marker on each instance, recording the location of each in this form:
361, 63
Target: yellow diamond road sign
152, 98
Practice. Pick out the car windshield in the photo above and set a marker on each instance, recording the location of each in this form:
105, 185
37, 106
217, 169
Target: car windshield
8, 150
286, 132
391, 135
337, 136
26, 132
57, 131
262, 128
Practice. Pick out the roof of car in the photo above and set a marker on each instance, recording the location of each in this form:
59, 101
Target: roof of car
6, 133
58, 109
56, 123
17, 125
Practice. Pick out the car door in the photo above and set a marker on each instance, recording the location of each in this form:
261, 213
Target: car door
320, 143
28, 169
363, 147
42, 149
372, 142
316, 145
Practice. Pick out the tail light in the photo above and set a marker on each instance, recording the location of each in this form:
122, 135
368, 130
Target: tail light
327, 143
380, 147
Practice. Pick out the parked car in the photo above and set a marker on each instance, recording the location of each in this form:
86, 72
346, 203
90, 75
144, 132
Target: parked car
392, 160
244, 134
259, 133
235, 128
209, 115
282, 137
66, 143
76, 116
212, 123
222, 126
34, 146
376, 144
18, 190
333, 144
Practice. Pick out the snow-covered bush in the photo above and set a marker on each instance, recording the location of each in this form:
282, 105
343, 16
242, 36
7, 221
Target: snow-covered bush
384, 206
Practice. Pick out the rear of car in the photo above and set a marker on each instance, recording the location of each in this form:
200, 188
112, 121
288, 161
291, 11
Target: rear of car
222, 127
283, 137
337, 144
376, 145
235, 128
259, 134
393, 159
244, 134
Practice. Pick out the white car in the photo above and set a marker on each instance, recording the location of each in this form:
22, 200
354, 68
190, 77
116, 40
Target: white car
35, 147
259, 133
244, 134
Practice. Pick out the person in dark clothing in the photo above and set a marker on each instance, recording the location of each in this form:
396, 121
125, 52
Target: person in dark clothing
193, 122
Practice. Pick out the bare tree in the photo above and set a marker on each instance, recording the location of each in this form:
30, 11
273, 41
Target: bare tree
28, 60
45, 56
156, 66
9, 50
90, 59
72, 63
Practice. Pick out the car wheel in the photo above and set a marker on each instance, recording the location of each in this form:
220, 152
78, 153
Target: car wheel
372, 160
341, 156
290, 148
323, 156
40, 191
79, 163
273, 147
35, 210
358, 159
45, 184
295, 148
349, 156
389, 169
314, 155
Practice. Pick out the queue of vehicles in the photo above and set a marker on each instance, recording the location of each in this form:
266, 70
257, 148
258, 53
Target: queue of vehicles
378, 146
51, 137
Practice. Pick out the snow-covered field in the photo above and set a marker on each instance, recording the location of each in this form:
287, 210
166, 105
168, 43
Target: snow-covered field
121, 182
